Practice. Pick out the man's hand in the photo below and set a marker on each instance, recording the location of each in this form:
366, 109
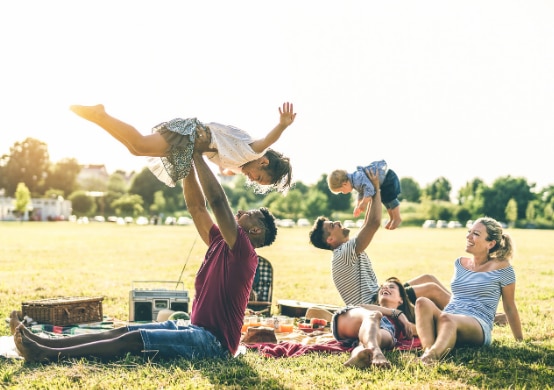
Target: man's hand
287, 114
373, 177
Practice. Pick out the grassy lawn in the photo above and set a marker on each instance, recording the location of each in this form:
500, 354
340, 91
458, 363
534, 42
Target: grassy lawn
44, 260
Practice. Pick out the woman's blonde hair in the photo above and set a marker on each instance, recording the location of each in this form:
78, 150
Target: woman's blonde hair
504, 248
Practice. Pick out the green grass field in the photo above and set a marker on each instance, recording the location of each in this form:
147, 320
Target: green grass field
45, 260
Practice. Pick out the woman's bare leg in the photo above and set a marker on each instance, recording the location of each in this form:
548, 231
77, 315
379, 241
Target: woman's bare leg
453, 329
130, 342
372, 338
153, 145
427, 314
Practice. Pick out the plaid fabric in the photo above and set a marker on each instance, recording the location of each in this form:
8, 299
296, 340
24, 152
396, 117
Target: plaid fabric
263, 281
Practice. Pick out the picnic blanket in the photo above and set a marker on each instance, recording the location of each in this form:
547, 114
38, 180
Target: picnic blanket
299, 343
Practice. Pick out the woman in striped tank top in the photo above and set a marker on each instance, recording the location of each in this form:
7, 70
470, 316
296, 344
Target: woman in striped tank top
477, 285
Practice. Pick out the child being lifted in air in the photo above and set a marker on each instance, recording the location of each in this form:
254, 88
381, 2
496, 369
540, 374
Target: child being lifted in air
340, 181
172, 143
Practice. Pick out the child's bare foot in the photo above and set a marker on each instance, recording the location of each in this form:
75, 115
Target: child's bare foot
15, 320
361, 360
30, 350
394, 218
91, 113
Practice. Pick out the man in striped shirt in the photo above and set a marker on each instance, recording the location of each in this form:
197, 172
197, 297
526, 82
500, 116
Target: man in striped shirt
351, 268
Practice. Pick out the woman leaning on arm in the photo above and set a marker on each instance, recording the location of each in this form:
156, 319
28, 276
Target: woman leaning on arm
477, 285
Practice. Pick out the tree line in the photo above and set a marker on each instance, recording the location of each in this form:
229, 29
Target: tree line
510, 199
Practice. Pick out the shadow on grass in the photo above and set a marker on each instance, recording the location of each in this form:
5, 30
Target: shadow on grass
498, 366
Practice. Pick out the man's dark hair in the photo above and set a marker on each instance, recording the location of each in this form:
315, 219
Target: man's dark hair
270, 227
317, 233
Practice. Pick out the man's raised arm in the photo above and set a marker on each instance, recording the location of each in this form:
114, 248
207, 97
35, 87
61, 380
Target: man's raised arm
217, 200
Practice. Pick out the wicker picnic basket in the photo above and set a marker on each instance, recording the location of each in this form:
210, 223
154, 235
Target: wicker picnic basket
64, 310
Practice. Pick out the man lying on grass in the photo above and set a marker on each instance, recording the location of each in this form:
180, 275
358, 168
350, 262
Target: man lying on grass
222, 289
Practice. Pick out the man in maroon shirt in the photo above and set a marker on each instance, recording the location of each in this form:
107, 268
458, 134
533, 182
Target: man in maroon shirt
222, 288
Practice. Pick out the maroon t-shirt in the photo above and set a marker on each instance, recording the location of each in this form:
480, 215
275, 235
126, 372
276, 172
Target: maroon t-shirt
223, 285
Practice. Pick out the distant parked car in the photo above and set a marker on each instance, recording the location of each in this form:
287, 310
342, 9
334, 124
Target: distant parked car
430, 223
303, 222
285, 222
454, 224
184, 221
441, 224
142, 221
170, 221
349, 224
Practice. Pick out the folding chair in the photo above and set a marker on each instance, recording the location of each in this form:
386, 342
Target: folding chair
262, 288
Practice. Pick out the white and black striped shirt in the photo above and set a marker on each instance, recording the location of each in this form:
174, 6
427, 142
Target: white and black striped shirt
353, 275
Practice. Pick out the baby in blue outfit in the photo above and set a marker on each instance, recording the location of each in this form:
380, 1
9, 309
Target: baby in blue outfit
340, 181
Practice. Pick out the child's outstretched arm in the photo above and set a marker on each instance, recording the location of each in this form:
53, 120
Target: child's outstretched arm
286, 117
361, 206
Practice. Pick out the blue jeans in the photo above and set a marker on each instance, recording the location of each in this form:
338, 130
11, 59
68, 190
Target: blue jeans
167, 340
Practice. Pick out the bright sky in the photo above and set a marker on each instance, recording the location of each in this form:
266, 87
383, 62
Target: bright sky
437, 88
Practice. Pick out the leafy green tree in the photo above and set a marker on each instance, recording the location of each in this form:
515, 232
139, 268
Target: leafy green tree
463, 215
496, 198
530, 212
145, 184
335, 202
22, 199
289, 206
467, 193
316, 204
27, 162
439, 189
116, 187
81, 203
511, 212
300, 186
238, 192
129, 205
549, 212
63, 176
411, 191
159, 203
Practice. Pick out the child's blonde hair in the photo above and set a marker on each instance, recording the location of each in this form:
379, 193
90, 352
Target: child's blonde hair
336, 179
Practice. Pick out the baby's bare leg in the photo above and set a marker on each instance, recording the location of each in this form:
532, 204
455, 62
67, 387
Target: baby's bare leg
394, 218
153, 145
